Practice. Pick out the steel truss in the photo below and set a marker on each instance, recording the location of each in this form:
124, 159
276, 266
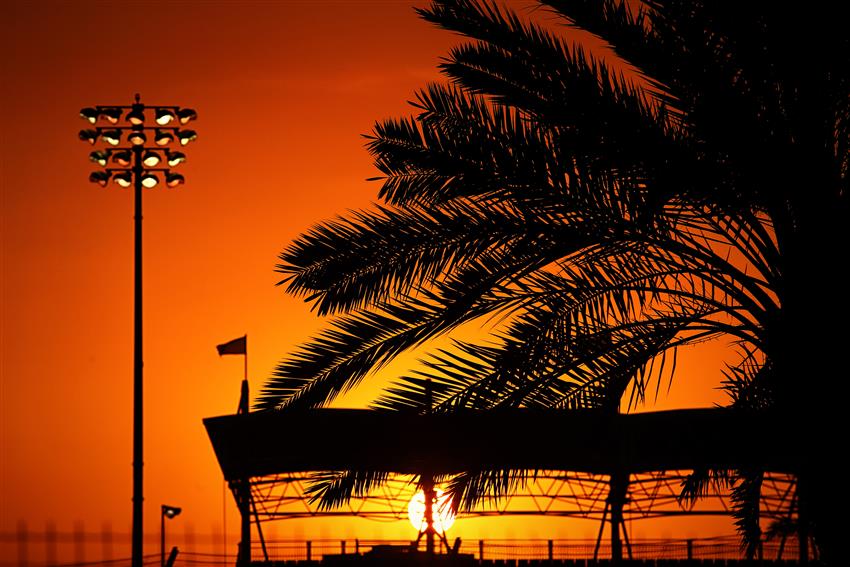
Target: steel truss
610, 479
549, 493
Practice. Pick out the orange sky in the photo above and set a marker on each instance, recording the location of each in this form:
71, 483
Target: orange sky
283, 91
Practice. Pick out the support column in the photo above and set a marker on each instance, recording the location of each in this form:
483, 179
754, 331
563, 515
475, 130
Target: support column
428, 482
138, 440
242, 493
243, 486
802, 531
618, 488
430, 494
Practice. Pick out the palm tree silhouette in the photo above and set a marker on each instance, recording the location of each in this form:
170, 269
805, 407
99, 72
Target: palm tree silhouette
600, 221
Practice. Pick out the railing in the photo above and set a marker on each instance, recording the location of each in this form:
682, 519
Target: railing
89, 549
720, 548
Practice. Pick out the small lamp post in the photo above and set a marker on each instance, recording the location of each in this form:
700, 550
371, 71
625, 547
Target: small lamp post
167, 512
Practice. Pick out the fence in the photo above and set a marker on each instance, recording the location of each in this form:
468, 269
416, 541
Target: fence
79, 548
50, 546
720, 548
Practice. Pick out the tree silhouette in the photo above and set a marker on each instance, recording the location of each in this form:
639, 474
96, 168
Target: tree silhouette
600, 221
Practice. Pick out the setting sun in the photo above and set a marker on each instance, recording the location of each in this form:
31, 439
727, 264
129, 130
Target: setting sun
443, 515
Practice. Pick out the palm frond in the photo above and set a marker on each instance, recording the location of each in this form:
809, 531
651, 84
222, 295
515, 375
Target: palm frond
370, 257
746, 509
702, 482
597, 220
522, 65
749, 383
470, 489
332, 489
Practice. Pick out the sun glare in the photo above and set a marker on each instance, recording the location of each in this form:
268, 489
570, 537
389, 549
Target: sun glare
443, 515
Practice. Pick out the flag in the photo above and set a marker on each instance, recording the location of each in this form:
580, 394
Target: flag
236, 346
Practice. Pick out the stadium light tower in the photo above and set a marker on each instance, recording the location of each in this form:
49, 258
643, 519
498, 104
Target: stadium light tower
133, 157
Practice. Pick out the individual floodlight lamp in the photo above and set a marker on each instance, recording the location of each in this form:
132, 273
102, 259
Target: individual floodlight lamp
100, 157
89, 114
123, 158
123, 179
174, 179
186, 136
163, 138
164, 116
136, 116
137, 138
99, 177
111, 137
112, 114
149, 180
175, 158
151, 158
171, 511
89, 136
186, 115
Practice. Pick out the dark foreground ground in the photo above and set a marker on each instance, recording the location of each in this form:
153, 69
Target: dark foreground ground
470, 561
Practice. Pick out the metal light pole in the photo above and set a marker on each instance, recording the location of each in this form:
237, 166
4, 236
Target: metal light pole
137, 167
166, 512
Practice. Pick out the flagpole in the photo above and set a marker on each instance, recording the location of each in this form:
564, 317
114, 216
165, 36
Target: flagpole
244, 489
241, 487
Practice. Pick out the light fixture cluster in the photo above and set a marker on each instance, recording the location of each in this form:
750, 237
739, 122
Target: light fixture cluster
137, 160
138, 136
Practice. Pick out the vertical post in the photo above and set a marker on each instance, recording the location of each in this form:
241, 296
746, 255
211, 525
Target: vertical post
309, 550
428, 489
618, 487
138, 498
802, 532
626, 539
357, 546
551, 550
803, 543
342, 547
135, 172
428, 484
243, 486
244, 404
162, 539
480, 550
690, 543
243, 502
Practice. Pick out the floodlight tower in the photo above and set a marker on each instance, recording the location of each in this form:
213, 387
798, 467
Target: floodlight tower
136, 164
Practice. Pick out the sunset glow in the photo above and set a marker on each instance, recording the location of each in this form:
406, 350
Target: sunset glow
442, 514
284, 91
